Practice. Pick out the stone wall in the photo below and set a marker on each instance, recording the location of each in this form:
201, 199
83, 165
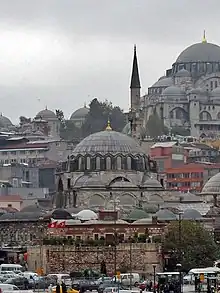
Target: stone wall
57, 259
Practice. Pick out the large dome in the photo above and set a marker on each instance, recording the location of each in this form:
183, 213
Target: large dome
5, 122
79, 113
173, 91
200, 52
212, 186
106, 142
46, 114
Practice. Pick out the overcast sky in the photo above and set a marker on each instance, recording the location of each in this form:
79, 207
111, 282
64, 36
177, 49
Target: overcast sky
62, 53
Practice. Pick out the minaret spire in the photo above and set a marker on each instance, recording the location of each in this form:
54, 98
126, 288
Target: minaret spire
204, 37
135, 80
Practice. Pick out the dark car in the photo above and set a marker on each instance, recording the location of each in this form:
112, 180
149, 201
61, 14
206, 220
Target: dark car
21, 282
85, 285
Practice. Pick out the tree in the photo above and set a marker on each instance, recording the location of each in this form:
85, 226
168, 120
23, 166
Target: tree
103, 268
197, 247
24, 120
98, 115
68, 131
155, 126
178, 130
60, 116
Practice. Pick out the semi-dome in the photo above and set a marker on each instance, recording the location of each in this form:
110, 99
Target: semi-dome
183, 73
46, 114
173, 91
197, 91
86, 215
216, 92
212, 186
163, 81
79, 113
200, 52
107, 142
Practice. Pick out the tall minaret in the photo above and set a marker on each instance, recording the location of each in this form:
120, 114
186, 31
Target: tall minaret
135, 86
135, 95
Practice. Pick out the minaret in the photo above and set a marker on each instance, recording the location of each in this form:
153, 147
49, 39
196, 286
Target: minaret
135, 86
135, 96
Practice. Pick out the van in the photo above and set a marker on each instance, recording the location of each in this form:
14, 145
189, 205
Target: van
129, 279
11, 267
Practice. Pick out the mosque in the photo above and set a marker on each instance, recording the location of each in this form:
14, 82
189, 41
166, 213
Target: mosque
187, 96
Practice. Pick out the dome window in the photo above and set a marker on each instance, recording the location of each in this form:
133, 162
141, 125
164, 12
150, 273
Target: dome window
108, 163
80, 163
118, 163
129, 163
88, 163
98, 163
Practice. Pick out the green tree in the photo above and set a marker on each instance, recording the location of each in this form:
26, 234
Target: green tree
178, 130
68, 131
197, 247
98, 116
155, 126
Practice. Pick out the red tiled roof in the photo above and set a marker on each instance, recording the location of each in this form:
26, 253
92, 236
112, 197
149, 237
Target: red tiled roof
9, 198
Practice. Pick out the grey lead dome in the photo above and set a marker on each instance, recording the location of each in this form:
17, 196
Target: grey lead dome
106, 142
200, 52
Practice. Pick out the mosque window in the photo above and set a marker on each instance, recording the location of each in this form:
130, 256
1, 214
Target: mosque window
216, 83
211, 85
108, 163
118, 163
98, 163
129, 163
80, 163
88, 163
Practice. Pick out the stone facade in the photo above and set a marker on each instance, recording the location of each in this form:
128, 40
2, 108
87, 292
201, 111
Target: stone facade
138, 257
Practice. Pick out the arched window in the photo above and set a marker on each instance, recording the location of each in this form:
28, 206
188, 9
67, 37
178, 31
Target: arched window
118, 162
129, 163
88, 163
108, 163
80, 163
98, 163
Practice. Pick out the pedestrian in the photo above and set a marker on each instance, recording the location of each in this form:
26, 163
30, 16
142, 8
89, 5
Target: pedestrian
58, 288
50, 289
64, 289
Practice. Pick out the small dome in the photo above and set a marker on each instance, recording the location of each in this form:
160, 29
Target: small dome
32, 208
152, 183
5, 122
191, 214
173, 91
59, 214
143, 221
183, 73
200, 52
150, 208
137, 214
80, 113
46, 114
163, 81
212, 186
165, 215
216, 92
86, 215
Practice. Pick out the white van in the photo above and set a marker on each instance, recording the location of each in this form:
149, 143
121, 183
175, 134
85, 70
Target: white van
11, 267
129, 279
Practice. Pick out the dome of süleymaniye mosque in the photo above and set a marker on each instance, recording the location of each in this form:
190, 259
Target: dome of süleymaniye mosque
189, 96
5, 122
79, 113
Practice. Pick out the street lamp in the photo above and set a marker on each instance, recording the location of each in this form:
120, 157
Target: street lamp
180, 237
154, 269
179, 267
